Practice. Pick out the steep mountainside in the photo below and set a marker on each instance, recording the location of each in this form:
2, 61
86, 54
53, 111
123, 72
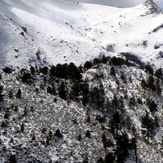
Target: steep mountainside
71, 32
80, 83
108, 111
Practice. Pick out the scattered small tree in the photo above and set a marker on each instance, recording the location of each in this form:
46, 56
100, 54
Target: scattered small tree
58, 134
62, 91
149, 69
150, 125
7, 70
112, 71
1, 93
19, 94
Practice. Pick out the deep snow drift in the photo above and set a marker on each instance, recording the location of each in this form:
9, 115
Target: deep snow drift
60, 31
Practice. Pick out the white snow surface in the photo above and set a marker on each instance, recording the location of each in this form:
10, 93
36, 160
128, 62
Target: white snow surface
76, 32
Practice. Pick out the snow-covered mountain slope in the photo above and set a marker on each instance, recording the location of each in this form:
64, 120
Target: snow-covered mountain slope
72, 32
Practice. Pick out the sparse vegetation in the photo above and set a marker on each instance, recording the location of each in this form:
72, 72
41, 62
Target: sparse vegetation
96, 102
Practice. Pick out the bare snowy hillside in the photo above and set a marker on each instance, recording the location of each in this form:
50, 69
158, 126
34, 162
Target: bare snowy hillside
59, 31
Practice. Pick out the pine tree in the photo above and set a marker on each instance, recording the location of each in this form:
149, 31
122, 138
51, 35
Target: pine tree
122, 150
134, 147
109, 158
159, 73
1, 93
151, 83
149, 124
112, 71
62, 91
87, 65
149, 69
115, 124
158, 87
19, 94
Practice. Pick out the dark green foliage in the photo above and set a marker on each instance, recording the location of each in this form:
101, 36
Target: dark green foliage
84, 87
24, 29
97, 97
100, 160
88, 65
96, 61
122, 150
132, 101
85, 160
117, 61
53, 71
50, 135
158, 87
156, 121
19, 94
80, 89
88, 134
12, 159
127, 122
58, 134
159, 73
74, 72
26, 77
79, 138
115, 124
106, 142
4, 124
149, 69
133, 146
152, 105
123, 77
108, 107
117, 103
11, 95
151, 83
62, 91
6, 115
109, 158
32, 70
143, 84
139, 100
33, 137
22, 127
66, 71
74, 93
1, 93
100, 118
112, 71
44, 70
149, 124
105, 59
60, 71
7, 70
51, 90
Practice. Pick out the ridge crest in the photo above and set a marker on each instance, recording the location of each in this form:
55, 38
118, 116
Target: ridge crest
153, 7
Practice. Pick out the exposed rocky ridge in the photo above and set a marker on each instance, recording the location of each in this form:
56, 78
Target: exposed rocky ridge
153, 7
